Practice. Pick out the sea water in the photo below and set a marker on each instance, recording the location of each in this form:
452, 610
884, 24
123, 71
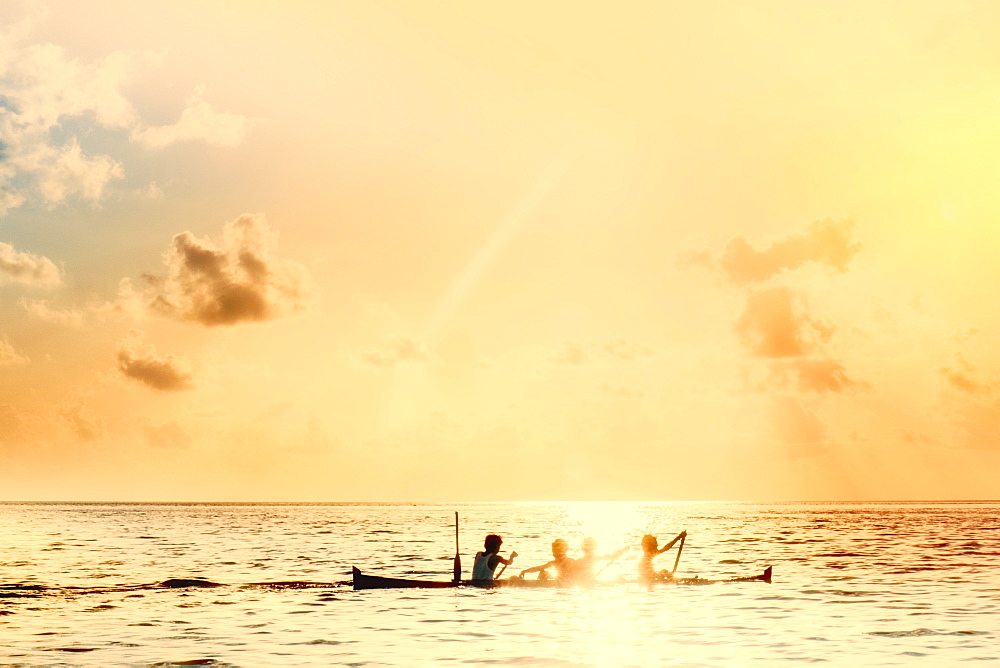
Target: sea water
854, 584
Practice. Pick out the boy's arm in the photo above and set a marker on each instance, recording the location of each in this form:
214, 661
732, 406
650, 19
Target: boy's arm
616, 553
535, 569
501, 560
671, 543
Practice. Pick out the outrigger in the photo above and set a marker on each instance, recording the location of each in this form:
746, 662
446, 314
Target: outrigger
363, 581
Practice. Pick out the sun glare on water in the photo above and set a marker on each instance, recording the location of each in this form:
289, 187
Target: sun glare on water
612, 524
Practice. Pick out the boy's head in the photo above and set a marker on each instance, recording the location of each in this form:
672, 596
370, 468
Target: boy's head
559, 547
589, 546
649, 543
493, 543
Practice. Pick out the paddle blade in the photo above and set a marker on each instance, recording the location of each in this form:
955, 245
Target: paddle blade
458, 568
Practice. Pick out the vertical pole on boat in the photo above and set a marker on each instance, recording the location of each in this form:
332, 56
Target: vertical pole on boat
458, 558
678, 559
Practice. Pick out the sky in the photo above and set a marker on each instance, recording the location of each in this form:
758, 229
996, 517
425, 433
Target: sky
411, 251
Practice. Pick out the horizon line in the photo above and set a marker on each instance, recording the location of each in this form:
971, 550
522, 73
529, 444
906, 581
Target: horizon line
473, 503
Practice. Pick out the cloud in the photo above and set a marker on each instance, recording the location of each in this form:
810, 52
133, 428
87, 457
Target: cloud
809, 375
26, 268
400, 349
826, 241
85, 426
961, 377
42, 87
63, 171
142, 364
822, 375
774, 325
198, 121
129, 304
235, 281
40, 309
10, 357
167, 435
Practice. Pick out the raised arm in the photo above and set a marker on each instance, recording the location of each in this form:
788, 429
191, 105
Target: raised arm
672, 542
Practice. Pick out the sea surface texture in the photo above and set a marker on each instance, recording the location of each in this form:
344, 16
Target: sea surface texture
861, 584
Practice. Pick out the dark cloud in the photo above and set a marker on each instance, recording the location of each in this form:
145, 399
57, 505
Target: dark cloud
238, 281
827, 242
774, 324
141, 363
401, 349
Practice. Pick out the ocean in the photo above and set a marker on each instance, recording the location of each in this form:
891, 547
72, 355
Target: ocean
862, 584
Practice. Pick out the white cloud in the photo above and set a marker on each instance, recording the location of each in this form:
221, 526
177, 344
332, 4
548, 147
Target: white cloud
42, 86
26, 268
10, 357
129, 304
64, 171
199, 121
41, 309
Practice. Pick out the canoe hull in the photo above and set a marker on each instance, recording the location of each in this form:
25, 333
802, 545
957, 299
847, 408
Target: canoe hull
363, 581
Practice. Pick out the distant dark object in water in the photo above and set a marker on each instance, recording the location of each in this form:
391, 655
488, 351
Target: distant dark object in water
293, 584
179, 583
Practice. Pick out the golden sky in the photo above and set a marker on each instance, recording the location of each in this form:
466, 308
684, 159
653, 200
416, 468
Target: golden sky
457, 251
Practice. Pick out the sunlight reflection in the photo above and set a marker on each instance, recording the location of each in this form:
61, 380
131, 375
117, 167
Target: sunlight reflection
612, 524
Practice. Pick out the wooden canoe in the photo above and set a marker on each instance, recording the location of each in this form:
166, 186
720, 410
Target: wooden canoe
363, 581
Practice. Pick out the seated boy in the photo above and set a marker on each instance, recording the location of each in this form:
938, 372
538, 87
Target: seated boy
487, 561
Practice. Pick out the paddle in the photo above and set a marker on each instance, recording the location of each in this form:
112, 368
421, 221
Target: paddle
611, 561
458, 558
497, 576
678, 559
